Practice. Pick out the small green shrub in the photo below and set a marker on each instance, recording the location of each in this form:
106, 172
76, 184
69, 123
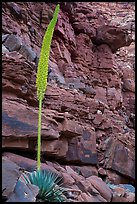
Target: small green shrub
49, 184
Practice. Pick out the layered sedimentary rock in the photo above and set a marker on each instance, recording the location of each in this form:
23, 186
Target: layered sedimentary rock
88, 115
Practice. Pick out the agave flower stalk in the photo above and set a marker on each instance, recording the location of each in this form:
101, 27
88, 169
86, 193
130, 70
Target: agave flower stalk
42, 74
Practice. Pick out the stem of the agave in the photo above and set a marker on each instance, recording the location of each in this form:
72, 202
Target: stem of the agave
39, 135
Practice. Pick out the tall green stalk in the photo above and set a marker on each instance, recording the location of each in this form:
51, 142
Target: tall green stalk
42, 74
39, 135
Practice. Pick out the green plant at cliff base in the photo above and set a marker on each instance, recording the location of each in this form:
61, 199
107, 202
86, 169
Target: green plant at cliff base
48, 182
50, 189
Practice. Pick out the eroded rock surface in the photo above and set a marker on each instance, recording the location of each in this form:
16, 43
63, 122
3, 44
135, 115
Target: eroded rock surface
10, 175
88, 115
78, 187
13, 190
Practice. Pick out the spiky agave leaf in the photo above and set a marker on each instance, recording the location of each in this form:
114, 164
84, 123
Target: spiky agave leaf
49, 185
42, 73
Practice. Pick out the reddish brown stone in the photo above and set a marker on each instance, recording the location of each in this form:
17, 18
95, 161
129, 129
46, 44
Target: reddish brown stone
117, 198
98, 119
113, 36
120, 191
101, 94
80, 56
87, 152
122, 159
26, 163
71, 128
87, 171
68, 179
101, 186
114, 178
130, 197
102, 171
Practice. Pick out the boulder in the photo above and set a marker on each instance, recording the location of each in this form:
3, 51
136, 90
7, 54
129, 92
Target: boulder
113, 36
10, 175
24, 193
101, 187
87, 171
13, 43
27, 52
122, 159
27, 163
71, 128
128, 85
82, 149
68, 179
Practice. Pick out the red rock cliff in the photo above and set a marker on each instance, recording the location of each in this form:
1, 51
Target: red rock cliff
88, 112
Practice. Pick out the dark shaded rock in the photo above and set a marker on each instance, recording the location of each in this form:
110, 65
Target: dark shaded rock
27, 53
56, 77
24, 193
77, 85
114, 178
15, 9
89, 90
117, 199
131, 122
64, 29
10, 174
4, 37
17, 125
13, 43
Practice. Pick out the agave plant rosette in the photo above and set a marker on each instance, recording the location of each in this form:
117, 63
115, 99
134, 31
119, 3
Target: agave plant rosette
49, 184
